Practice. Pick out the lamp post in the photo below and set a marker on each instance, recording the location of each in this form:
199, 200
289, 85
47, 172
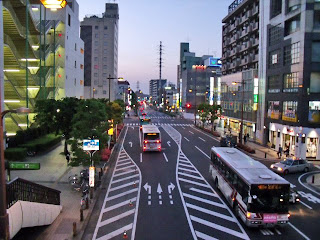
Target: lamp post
195, 101
242, 99
4, 219
109, 78
93, 91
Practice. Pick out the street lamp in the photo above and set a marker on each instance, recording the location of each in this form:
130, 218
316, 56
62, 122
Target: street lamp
54, 4
242, 99
93, 91
4, 219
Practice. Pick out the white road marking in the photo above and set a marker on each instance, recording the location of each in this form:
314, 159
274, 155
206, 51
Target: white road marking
124, 160
205, 134
119, 169
309, 197
171, 202
122, 164
317, 166
301, 233
126, 178
116, 218
190, 175
140, 157
185, 161
165, 156
185, 169
277, 231
185, 165
204, 200
160, 202
140, 138
149, 202
186, 139
120, 174
219, 227
121, 194
193, 182
299, 179
123, 186
191, 132
204, 192
201, 139
183, 127
212, 213
202, 152
116, 232
204, 236
119, 205
305, 204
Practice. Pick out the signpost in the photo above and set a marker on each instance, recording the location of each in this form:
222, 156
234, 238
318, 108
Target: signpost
24, 166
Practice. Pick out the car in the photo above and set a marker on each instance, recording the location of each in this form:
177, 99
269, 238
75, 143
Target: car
291, 165
294, 196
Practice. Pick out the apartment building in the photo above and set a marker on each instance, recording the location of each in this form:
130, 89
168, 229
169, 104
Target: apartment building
292, 70
240, 82
37, 45
123, 91
156, 87
100, 36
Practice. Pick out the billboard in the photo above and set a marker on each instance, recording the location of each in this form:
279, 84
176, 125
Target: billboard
214, 62
90, 144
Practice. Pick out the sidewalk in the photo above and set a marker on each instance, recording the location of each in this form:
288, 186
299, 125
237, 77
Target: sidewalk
54, 173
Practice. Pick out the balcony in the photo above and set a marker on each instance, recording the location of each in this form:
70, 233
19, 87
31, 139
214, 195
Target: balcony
255, 10
255, 26
255, 58
255, 42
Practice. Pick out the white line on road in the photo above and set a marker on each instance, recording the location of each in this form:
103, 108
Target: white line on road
126, 167
205, 134
306, 205
201, 139
140, 138
204, 192
193, 182
204, 200
123, 173
121, 194
183, 127
299, 179
185, 169
119, 205
219, 227
202, 152
116, 232
140, 157
186, 139
278, 231
165, 157
191, 132
190, 175
204, 236
116, 218
123, 186
301, 233
125, 163
123, 179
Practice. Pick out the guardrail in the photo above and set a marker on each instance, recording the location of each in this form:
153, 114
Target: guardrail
24, 190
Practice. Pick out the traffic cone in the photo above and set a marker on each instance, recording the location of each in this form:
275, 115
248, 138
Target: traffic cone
130, 204
125, 234
134, 183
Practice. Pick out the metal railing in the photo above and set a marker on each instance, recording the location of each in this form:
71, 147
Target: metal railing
24, 190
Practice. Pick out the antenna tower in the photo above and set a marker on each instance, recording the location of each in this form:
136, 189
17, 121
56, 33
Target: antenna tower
138, 85
160, 60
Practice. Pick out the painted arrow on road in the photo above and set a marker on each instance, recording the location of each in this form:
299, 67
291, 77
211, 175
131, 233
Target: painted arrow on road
169, 143
130, 144
170, 187
147, 187
159, 189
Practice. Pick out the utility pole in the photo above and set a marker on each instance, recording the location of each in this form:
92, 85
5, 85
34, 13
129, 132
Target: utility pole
109, 87
195, 100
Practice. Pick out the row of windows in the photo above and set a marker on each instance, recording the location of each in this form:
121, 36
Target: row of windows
97, 59
104, 27
97, 35
290, 80
96, 74
97, 43
105, 51
291, 55
241, 187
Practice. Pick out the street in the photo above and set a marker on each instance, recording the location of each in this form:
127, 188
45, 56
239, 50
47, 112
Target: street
170, 195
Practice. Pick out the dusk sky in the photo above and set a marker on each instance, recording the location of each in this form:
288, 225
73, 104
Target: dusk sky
144, 23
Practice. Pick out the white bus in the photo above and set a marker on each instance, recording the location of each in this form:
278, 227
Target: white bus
151, 138
259, 196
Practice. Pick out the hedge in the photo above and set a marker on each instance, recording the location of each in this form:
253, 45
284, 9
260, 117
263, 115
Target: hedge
42, 144
15, 154
246, 148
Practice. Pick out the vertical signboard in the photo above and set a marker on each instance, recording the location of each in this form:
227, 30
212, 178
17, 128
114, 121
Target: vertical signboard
91, 176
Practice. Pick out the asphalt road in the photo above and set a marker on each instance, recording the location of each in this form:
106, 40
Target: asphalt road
172, 195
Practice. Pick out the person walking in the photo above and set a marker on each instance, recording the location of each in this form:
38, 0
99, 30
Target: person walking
279, 151
68, 157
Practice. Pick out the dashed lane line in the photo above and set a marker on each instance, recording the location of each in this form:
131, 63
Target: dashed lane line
194, 128
301, 233
165, 157
201, 139
191, 132
186, 139
306, 205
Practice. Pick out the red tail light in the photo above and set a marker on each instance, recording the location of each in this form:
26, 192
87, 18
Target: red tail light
158, 141
145, 141
159, 148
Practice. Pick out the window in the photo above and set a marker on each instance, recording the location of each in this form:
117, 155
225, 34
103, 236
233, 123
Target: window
314, 112
75, 64
105, 35
274, 84
316, 19
81, 51
291, 82
290, 111
96, 43
96, 66
96, 83
315, 51
315, 82
104, 75
105, 44
75, 82
276, 6
104, 92
95, 74
292, 25
96, 35
75, 47
96, 51
292, 54
274, 58
81, 82
104, 82
105, 27
274, 34
104, 59
95, 59
104, 66
274, 109
69, 20
105, 51
293, 5
96, 27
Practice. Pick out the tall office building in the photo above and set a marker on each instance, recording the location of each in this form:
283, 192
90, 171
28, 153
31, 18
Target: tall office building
240, 55
100, 36
292, 71
42, 56
155, 89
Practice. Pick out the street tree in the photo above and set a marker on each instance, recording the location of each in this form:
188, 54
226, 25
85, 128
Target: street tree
214, 113
204, 111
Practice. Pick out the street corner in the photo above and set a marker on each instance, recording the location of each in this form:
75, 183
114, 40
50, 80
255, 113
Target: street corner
313, 180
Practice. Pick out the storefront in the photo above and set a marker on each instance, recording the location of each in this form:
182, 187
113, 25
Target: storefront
312, 147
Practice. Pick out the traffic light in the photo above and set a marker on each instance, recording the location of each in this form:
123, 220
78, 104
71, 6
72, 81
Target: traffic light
188, 105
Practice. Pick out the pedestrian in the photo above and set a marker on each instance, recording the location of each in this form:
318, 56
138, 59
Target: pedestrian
245, 138
68, 157
287, 152
279, 151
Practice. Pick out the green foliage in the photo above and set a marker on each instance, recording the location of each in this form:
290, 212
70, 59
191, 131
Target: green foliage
117, 112
134, 102
15, 154
24, 136
208, 112
42, 144
120, 102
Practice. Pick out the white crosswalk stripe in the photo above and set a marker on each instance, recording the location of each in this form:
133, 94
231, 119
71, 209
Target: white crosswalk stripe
203, 206
161, 124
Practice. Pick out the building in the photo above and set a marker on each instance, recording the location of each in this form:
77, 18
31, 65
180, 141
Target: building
156, 87
1, 61
123, 91
100, 36
38, 50
292, 73
171, 97
196, 78
240, 82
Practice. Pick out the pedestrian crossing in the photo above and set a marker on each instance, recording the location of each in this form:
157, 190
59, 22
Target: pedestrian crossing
119, 211
162, 117
208, 216
161, 124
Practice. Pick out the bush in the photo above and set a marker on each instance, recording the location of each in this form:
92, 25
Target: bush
246, 148
23, 136
42, 144
15, 154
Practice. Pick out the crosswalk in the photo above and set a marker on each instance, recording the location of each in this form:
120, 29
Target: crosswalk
119, 211
161, 124
152, 117
208, 216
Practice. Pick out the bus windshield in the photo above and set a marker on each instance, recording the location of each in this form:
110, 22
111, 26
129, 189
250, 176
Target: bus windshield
269, 198
151, 136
